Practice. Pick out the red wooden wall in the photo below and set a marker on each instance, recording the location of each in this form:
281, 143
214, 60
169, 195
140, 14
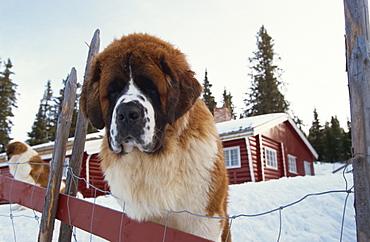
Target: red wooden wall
270, 173
256, 157
91, 171
284, 139
293, 145
239, 175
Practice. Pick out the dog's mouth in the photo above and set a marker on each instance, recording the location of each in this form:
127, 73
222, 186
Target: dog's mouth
127, 145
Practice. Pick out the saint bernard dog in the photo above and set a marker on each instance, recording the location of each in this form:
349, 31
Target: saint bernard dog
161, 151
23, 165
18, 155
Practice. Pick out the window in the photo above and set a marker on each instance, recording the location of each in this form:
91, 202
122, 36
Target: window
232, 157
292, 164
271, 158
307, 168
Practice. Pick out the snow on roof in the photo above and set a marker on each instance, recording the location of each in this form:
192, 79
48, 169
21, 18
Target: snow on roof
92, 136
248, 124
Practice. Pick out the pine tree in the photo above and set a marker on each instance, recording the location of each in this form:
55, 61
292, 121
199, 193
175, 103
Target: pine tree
44, 127
208, 98
332, 141
346, 143
227, 100
8, 101
265, 96
315, 135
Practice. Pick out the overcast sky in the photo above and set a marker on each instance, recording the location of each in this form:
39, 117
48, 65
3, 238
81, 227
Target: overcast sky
45, 39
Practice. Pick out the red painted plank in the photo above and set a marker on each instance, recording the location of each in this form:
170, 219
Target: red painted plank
93, 218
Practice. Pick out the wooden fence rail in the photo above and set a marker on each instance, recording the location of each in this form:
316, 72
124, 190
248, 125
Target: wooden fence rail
95, 219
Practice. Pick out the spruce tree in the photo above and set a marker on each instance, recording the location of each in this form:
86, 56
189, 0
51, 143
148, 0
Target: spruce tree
8, 101
346, 143
333, 134
265, 96
44, 126
227, 100
315, 135
331, 142
208, 98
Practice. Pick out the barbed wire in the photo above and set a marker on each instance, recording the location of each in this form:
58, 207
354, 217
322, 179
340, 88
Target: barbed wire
230, 218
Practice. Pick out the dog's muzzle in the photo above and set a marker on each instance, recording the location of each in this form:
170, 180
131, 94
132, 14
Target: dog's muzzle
128, 128
130, 115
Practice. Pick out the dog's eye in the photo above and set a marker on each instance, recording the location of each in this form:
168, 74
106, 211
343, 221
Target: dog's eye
116, 87
146, 85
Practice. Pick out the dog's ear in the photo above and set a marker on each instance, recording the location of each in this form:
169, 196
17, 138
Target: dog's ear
90, 96
10, 150
183, 91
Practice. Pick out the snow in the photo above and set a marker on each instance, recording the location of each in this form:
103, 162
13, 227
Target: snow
247, 124
316, 218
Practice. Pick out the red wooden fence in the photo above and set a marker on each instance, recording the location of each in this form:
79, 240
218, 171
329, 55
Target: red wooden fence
98, 220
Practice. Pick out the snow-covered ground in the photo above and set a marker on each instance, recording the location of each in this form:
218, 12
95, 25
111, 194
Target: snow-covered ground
316, 218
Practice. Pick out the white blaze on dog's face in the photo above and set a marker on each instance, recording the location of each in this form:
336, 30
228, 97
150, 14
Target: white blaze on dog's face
133, 121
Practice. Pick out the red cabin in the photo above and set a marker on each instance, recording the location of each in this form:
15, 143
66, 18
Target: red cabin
265, 147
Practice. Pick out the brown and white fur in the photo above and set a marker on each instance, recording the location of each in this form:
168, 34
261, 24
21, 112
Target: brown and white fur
161, 151
19, 154
23, 165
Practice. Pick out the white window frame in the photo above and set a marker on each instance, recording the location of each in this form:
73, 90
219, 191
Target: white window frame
227, 154
292, 162
307, 168
271, 158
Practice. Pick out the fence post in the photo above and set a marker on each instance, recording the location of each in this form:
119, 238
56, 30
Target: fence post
65, 232
358, 67
56, 169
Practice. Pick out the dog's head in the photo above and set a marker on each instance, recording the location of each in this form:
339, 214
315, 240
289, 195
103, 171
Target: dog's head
137, 86
15, 148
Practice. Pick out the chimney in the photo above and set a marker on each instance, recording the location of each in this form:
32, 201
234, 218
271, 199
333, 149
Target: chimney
222, 114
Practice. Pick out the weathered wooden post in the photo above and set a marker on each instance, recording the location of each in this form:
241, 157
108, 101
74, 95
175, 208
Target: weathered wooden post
78, 144
358, 67
52, 191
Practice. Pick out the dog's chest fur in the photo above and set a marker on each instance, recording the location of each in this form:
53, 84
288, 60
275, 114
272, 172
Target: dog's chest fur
148, 186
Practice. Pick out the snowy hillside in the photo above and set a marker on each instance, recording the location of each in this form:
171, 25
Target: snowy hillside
316, 218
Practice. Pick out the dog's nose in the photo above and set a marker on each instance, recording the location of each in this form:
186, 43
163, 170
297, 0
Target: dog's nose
129, 113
